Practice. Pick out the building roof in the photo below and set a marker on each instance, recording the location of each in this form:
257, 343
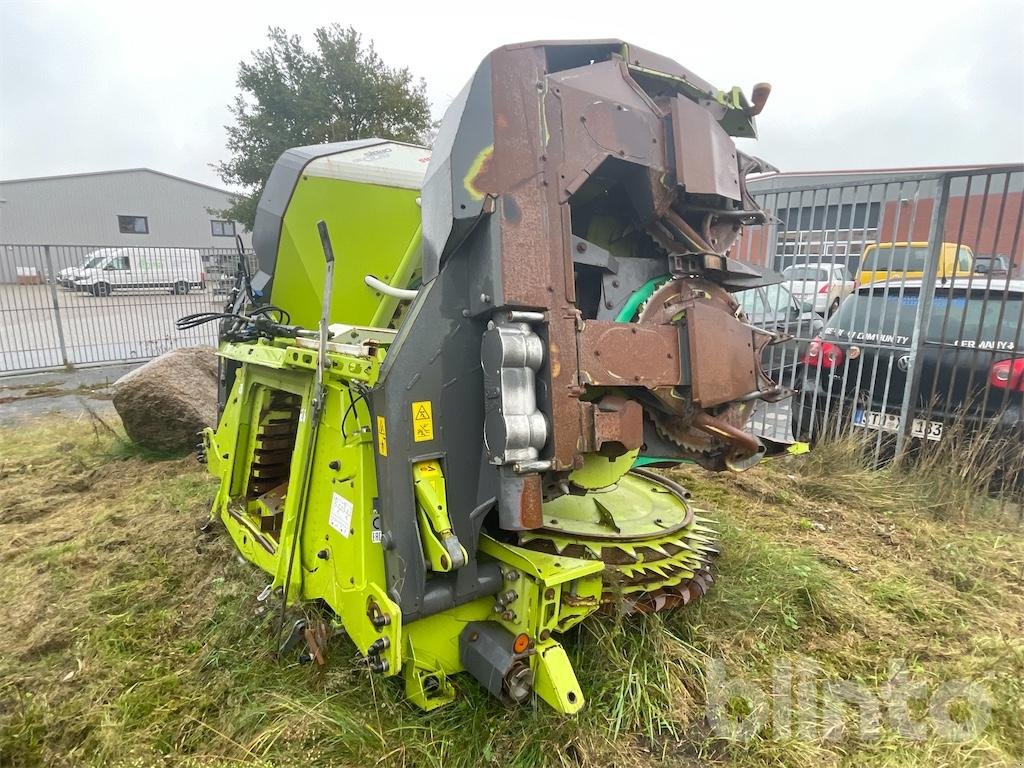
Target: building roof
910, 169
111, 172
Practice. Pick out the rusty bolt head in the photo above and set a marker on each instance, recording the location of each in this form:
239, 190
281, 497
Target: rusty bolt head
581, 247
549, 594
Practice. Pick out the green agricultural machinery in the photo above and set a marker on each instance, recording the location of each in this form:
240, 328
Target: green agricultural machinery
447, 386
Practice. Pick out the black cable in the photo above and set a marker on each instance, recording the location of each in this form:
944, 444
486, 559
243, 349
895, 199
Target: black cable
351, 406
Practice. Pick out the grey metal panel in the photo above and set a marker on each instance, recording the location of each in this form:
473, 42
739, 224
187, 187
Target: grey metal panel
435, 357
450, 211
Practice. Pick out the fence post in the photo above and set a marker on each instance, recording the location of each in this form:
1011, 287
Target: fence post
50, 277
936, 233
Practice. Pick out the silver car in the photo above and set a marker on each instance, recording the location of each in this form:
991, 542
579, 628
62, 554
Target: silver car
823, 286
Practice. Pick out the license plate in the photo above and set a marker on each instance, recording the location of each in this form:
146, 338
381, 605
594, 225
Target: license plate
890, 422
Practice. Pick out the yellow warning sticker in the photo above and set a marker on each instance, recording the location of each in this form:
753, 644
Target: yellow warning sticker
382, 437
422, 421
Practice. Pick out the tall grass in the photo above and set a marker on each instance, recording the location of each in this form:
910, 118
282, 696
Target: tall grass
129, 641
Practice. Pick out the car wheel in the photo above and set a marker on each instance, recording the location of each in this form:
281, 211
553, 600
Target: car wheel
833, 307
100, 289
181, 288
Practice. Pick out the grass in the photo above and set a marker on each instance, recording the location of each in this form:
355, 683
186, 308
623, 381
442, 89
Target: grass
130, 639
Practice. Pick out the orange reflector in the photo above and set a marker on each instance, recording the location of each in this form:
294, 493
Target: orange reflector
521, 643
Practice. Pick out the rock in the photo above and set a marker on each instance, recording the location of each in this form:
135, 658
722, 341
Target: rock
163, 403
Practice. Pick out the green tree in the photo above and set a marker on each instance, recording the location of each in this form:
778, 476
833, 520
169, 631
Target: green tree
291, 96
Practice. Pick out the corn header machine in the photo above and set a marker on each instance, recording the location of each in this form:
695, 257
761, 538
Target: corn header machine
446, 384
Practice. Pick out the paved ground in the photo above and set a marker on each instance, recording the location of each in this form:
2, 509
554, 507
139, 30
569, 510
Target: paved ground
70, 393
125, 326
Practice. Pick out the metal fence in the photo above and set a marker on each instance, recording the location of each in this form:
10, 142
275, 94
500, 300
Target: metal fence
66, 306
902, 309
903, 301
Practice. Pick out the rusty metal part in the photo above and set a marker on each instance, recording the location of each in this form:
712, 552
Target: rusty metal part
724, 370
758, 97
275, 442
746, 445
272, 503
567, 122
608, 354
612, 426
316, 637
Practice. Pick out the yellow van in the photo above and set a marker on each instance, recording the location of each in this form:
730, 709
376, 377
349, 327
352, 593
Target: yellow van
906, 261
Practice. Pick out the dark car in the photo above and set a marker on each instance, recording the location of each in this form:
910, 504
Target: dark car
971, 361
775, 309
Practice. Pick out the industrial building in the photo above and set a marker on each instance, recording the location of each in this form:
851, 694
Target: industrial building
131, 207
76, 213
833, 215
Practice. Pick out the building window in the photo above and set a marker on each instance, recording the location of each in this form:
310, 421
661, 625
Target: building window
133, 225
222, 228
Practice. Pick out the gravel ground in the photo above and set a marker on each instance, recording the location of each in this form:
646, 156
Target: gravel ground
69, 393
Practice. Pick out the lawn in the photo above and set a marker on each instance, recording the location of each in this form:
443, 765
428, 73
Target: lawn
130, 638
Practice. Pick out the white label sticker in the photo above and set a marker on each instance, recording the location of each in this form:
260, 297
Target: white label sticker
341, 515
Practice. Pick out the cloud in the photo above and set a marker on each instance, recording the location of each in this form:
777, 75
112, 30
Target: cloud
95, 86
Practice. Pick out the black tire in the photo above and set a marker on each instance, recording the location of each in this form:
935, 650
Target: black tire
181, 288
100, 289
833, 307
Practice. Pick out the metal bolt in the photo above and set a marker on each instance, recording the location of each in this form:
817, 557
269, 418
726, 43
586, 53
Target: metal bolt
323, 554
378, 646
581, 247
545, 634
549, 594
335, 465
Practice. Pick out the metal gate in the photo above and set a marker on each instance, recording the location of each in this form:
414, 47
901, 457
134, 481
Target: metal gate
903, 303
63, 306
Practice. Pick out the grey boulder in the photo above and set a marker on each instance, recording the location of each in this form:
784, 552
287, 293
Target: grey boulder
163, 403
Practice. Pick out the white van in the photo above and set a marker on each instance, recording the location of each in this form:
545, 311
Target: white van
67, 276
176, 269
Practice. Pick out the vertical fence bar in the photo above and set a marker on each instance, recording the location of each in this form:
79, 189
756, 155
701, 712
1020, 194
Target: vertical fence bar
924, 303
51, 278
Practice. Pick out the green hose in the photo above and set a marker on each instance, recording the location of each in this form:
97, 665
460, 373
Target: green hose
628, 312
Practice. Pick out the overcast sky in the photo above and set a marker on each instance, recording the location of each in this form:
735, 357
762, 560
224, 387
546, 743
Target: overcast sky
88, 86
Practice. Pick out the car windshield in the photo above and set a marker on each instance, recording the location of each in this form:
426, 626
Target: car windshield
958, 317
901, 258
759, 303
989, 263
805, 273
